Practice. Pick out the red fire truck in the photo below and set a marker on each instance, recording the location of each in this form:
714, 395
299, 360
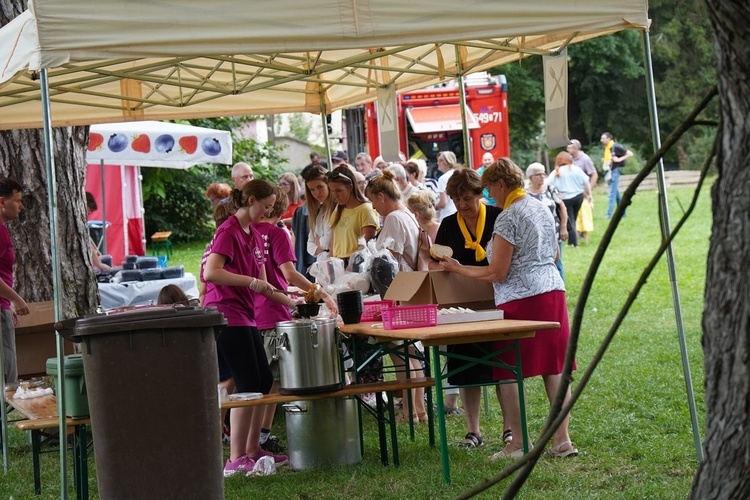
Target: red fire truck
429, 121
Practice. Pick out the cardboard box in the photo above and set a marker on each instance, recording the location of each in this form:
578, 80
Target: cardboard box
442, 288
35, 339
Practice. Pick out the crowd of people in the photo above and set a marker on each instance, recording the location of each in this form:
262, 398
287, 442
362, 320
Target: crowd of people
502, 226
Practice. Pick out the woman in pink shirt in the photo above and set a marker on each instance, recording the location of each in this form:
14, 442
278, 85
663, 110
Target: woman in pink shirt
235, 269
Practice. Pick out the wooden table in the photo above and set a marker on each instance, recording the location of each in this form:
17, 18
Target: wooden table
39, 415
462, 333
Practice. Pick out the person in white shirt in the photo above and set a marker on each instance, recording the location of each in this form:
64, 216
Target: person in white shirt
446, 163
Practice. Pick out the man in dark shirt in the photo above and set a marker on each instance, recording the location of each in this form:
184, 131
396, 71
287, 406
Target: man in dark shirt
615, 156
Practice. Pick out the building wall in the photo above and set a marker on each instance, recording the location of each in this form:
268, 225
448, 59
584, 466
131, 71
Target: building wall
296, 151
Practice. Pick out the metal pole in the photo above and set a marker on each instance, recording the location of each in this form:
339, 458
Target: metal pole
325, 130
49, 161
104, 209
665, 228
462, 102
3, 413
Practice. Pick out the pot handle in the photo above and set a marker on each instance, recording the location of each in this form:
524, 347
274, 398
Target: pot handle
314, 335
282, 342
294, 408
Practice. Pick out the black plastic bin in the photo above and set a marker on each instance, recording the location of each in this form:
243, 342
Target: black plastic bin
152, 375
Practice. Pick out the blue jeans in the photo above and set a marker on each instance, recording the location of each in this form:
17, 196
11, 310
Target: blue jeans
614, 192
559, 263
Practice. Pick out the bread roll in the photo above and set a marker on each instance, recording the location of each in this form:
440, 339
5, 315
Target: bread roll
441, 252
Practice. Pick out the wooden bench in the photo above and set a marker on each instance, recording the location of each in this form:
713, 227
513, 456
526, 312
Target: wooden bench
389, 387
40, 415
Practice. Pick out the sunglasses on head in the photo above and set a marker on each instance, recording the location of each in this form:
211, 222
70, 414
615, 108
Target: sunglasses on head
337, 176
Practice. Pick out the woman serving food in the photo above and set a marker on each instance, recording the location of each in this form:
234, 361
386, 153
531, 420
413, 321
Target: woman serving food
521, 266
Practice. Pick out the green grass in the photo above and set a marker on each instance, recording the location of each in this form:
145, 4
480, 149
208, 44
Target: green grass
631, 424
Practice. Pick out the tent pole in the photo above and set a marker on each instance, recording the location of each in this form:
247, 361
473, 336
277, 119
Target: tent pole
462, 101
49, 161
325, 130
104, 208
665, 228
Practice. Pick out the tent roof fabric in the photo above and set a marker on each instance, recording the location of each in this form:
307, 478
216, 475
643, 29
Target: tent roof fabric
111, 61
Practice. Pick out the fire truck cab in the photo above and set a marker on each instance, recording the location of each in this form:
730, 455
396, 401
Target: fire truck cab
429, 121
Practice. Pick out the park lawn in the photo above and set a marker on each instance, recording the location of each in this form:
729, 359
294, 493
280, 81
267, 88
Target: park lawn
631, 424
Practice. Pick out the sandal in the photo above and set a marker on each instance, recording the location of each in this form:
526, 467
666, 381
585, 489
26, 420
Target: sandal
471, 440
557, 452
508, 436
422, 417
504, 453
402, 418
455, 411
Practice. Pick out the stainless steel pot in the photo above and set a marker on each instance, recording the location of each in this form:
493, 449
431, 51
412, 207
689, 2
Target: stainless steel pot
308, 353
322, 433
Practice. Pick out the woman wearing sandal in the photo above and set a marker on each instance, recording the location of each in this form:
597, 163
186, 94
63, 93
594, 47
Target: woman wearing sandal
467, 232
527, 285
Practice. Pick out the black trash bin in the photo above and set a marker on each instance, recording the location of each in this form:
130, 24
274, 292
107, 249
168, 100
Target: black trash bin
152, 376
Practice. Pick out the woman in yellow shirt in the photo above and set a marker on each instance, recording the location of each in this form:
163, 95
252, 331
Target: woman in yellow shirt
353, 216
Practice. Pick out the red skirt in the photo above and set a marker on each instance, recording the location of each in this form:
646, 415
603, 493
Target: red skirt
543, 354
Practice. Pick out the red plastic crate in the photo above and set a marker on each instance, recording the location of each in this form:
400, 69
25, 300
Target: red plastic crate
372, 311
398, 318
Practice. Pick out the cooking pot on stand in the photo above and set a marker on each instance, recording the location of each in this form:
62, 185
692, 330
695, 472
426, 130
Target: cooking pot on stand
308, 354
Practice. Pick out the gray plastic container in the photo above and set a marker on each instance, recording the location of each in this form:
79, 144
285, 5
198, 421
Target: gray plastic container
151, 375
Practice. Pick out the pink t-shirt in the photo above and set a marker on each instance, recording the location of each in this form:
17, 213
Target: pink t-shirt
277, 249
7, 259
244, 256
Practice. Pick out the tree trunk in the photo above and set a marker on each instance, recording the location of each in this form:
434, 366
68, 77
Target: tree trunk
726, 338
22, 158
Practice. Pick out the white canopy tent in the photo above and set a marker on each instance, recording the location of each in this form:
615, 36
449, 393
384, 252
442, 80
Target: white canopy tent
96, 61
162, 60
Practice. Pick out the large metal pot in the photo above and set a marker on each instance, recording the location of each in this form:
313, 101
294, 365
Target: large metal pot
308, 352
322, 433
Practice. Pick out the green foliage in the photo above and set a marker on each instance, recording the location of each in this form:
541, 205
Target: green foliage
299, 126
182, 208
607, 87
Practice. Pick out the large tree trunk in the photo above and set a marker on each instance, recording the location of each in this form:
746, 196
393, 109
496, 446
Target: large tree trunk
726, 338
22, 158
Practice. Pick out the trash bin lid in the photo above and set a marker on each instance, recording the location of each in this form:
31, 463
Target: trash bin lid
73, 365
141, 318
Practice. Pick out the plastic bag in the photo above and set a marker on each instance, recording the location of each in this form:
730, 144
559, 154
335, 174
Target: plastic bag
383, 268
326, 269
351, 281
359, 261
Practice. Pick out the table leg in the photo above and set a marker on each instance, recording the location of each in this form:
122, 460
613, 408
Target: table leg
394, 433
444, 458
36, 448
428, 392
381, 429
80, 462
521, 396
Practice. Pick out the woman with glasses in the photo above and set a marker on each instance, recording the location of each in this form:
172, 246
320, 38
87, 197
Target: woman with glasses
353, 216
537, 187
319, 204
467, 232
288, 184
521, 255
